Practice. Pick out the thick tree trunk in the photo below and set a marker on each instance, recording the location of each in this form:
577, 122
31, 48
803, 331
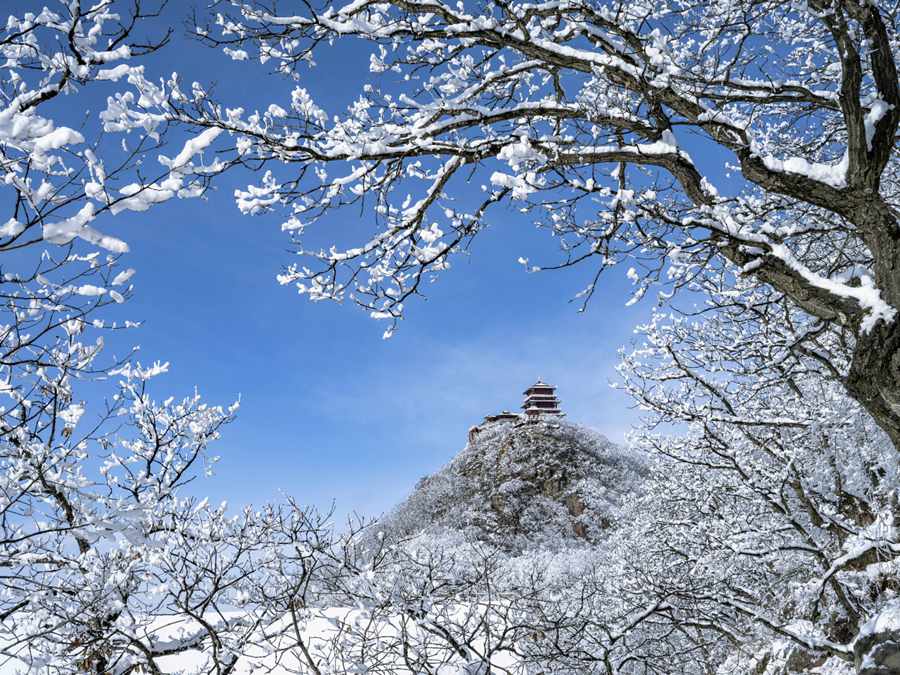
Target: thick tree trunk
874, 377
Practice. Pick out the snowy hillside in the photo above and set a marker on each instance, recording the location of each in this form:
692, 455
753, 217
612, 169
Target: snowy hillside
523, 485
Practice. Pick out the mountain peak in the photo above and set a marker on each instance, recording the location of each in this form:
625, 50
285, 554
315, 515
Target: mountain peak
523, 481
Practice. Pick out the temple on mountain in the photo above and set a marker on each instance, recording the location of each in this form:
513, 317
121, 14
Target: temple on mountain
540, 399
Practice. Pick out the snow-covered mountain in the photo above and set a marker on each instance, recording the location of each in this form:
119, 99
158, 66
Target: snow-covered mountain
521, 484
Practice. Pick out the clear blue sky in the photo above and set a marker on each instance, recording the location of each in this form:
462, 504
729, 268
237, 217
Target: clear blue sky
330, 411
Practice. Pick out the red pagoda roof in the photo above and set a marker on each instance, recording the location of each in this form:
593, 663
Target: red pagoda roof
540, 384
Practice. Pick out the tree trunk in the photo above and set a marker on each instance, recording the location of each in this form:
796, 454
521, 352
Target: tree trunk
874, 377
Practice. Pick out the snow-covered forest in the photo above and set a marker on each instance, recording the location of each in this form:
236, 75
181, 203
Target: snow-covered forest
737, 157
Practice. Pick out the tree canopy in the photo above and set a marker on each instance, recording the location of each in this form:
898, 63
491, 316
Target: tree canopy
739, 151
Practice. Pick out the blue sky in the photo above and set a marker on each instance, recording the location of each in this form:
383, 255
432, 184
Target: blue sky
330, 411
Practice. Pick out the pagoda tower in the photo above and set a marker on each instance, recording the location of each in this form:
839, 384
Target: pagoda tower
540, 399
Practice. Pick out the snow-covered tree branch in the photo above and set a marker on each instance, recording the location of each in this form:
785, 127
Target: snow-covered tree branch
588, 116
774, 516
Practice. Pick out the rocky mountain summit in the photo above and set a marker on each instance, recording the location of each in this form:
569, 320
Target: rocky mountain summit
523, 482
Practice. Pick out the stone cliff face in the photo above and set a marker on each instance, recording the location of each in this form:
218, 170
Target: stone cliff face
520, 484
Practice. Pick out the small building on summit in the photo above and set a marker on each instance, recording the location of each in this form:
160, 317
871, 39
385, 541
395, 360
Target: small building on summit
540, 399
504, 416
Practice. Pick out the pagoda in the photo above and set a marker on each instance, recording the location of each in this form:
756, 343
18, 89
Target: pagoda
540, 399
